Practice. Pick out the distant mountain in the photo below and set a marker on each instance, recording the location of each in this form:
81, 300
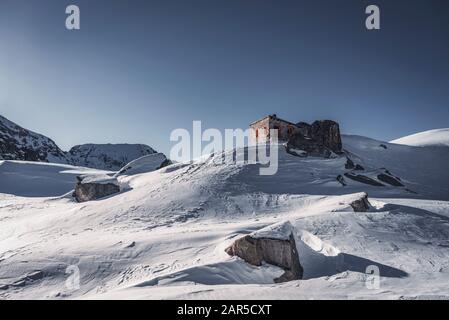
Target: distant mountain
107, 156
431, 138
17, 143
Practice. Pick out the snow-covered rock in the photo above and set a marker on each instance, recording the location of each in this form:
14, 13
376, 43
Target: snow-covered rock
93, 187
17, 143
361, 203
431, 138
274, 245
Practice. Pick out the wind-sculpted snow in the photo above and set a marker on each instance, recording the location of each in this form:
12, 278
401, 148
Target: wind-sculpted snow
431, 138
165, 234
36, 179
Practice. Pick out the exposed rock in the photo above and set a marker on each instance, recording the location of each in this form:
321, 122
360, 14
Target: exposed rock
88, 189
131, 245
350, 165
390, 180
322, 138
278, 251
327, 132
364, 179
383, 146
362, 204
411, 191
17, 143
341, 179
390, 174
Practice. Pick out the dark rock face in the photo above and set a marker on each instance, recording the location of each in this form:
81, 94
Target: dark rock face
390, 180
364, 179
321, 138
281, 253
342, 181
362, 204
93, 191
17, 143
350, 165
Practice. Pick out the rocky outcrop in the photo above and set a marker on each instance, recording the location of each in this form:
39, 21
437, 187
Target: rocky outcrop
17, 143
95, 187
393, 181
350, 165
362, 204
321, 138
274, 248
364, 179
341, 180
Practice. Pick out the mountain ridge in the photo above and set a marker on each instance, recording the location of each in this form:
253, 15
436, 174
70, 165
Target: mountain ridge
18, 143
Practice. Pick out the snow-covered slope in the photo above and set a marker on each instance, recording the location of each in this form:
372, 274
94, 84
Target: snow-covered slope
107, 156
435, 138
164, 236
17, 143
37, 179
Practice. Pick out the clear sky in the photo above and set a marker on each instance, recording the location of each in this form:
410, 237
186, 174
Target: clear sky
138, 69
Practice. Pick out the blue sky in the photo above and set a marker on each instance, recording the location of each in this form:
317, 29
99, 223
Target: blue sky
139, 69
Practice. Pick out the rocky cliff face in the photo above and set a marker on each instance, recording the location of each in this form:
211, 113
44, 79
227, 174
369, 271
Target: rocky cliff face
321, 138
17, 143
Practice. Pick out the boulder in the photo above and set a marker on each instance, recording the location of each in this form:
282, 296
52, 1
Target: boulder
362, 204
322, 138
93, 188
273, 247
